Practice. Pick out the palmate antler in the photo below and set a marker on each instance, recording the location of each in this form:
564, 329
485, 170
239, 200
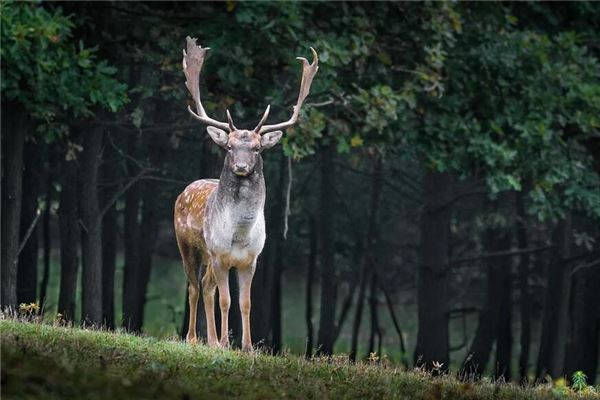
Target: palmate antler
192, 66
308, 73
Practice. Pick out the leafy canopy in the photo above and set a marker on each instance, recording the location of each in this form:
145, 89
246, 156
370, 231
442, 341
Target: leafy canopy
47, 71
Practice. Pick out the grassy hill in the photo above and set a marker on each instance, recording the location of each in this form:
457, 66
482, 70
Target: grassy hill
45, 362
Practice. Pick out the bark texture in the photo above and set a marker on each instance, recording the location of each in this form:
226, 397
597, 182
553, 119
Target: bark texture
432, 283
325, 339
28, 258
554, 323
91, 232
68, 218
14, 126
131, 224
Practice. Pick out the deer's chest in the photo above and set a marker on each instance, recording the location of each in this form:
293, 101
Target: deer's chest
236, 232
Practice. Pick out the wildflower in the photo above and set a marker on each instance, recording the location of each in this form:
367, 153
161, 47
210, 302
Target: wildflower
373, 357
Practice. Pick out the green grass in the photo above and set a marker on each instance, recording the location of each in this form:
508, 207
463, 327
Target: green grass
40, 361
166, 303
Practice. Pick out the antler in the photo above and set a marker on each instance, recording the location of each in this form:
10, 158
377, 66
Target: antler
308, 73
192, 65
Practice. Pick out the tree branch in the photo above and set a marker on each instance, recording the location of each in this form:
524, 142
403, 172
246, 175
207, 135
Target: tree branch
288, 194
390, 305
512, 252
29, 232
122, 190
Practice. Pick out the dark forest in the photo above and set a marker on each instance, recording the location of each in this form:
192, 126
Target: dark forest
436, 205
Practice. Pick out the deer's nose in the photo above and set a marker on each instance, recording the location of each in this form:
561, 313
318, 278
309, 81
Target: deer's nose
241, 168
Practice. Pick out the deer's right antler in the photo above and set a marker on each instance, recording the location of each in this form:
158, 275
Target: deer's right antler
192, 66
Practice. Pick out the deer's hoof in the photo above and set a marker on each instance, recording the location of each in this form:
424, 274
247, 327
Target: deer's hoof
247, 348
191, 340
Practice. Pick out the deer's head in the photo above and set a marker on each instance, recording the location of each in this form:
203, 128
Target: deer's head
243, 146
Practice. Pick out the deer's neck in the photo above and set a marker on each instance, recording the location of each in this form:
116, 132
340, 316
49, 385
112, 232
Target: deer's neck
243, 197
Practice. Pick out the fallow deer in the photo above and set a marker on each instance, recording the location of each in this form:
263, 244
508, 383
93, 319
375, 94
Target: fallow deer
220, 223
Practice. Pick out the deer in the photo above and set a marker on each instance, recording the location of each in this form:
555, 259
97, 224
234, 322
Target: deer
220, 223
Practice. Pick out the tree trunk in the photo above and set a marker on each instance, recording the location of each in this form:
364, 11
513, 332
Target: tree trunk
13, 134
554, 323
487, 326
109, 237
360, 301
310, 277
261, 289
109, 263
524, 293
328, 283
91, 232
131, 227
277, 261
367, 253
260, 319
27, 265
494, 318
432, 283
47, 235
584, 332
276, 325
504, 332
149, 226
68, 218
373, 303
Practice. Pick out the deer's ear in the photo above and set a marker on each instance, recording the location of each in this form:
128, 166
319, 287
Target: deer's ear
219, 136
270, 139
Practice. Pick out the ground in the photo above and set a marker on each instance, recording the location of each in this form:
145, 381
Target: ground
41, 361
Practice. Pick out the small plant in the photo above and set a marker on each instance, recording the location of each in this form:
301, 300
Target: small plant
579, 381
560, 388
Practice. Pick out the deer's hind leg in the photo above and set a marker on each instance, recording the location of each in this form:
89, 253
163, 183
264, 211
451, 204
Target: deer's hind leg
191, 266
209, 286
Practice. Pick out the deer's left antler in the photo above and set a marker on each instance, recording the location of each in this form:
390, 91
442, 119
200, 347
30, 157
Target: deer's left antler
308, 73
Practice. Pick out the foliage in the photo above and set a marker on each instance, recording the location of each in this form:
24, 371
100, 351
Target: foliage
516, 105
54, 362
48, 71
579, 382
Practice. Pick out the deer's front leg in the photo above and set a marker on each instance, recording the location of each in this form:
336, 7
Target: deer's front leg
222, 277
208, 293
245, 276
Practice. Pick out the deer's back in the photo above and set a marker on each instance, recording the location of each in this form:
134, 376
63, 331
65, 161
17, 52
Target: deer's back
190, 212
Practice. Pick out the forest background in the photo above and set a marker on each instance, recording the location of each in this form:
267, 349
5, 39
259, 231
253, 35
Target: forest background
438, 203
